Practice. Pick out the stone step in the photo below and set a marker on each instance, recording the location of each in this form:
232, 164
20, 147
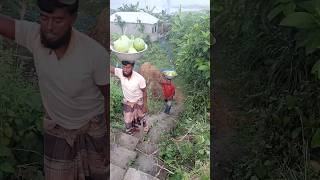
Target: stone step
148, 148
121, 156
152, 120
126, 140
163, 126
133, 174
167, 125
116, 173
112, 138
147, 164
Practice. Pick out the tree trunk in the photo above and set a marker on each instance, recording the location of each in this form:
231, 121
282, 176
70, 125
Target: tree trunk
101, 31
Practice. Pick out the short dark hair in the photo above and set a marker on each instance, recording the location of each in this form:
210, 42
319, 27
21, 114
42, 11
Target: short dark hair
50, 5
127, 62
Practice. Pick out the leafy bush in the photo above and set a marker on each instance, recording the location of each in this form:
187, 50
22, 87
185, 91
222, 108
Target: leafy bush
21, 114
190, 35
271, 65
187, 148
116, 98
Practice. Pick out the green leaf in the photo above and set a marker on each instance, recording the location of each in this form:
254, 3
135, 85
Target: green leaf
34, 101
299, 20
315, 142
316, 4
275, 12
295, 133
6, 167
10, 113
201, 151
4, 140
316, 69
310, 39
310, 50
282, 2
307, 5
261, 171
39, 176
285, 120
5, 98
291, 101
201, 139
39, 125
8, 131
254, 178
204, 177
203, 68
4, 151
289, 8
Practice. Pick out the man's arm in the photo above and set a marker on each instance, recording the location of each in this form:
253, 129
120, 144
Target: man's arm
112, 69
161, 79
7, 27
104, 91
145, 102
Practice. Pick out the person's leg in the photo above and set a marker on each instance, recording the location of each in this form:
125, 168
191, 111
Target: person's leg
77, 154
169, 103
95, 144
166, 106
141, 116
128, 117
59, 156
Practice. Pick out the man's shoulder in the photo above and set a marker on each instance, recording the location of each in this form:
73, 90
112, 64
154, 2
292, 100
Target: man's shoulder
118, 69
25, 24
89, 43
138, 75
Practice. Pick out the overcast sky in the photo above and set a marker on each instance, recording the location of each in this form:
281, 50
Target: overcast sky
173, 5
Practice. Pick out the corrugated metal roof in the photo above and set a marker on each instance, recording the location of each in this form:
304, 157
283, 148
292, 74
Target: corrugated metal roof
132, 17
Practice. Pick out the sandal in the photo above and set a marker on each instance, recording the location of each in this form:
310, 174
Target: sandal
128, 131
146, 129
135, 130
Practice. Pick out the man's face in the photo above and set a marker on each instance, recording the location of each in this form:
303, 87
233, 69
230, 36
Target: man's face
56, 27
127, 70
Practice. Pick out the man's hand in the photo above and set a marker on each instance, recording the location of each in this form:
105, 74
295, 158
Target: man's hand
7, 27
145, 102
145, 108
112, 69
105, 92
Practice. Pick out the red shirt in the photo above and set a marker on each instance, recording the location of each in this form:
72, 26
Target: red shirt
168, 89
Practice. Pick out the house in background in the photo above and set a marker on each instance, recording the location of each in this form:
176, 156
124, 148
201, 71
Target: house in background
131, 25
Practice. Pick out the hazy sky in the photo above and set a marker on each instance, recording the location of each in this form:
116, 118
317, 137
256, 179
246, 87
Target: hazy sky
164, 4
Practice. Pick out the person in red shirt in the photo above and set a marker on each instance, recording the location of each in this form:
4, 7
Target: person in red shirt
168, 91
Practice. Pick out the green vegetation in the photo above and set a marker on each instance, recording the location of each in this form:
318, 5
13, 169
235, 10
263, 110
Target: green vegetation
190, 37
269, 50
20, 122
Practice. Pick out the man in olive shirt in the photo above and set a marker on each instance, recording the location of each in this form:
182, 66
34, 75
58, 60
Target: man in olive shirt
71, 69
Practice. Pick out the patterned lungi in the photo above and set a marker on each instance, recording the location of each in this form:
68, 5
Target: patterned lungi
79, 154
133, 114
